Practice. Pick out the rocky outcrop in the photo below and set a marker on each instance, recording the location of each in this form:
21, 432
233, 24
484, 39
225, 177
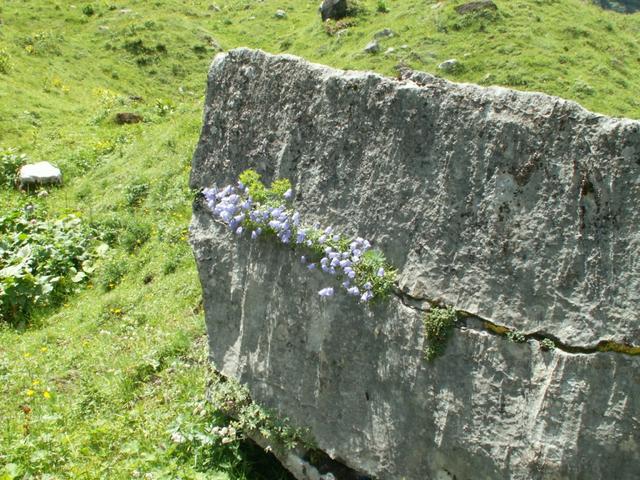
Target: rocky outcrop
519, 209
622, 6
333, 9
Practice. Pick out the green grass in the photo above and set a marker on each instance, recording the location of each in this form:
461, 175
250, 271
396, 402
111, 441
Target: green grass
123, 361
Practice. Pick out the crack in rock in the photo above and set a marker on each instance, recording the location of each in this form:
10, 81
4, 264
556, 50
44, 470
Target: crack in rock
474, 322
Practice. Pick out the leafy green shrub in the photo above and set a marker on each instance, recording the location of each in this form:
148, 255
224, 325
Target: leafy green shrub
108, 100
108, 229
144, 54
260, 193
41, 260
134, 234
582, 89
88, 10
123, 230
43, 43
382, 7
136, 193
112, 272
10, 163
243, 416
438, 327
174, 258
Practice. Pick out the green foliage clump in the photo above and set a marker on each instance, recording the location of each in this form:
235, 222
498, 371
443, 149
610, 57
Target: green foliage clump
279, 187
368, 268
251, 179
476, 20
245, 416
43, 43
211, 437
145, 55
134, 234
382, 7
41, 261
136, 193
5, 61
261, 194
438, 327
164, 107
112, 272
547, 344
516, 336
89, 10
124, 230
10, 163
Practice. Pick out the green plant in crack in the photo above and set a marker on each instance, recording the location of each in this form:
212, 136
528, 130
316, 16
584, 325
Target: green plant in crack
516, 337
438, 327
245, 417
547, 344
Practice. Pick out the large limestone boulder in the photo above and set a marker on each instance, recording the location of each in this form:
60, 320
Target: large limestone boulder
519, 209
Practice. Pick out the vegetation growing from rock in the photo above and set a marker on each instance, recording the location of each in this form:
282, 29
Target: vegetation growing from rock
250, 209
438, 328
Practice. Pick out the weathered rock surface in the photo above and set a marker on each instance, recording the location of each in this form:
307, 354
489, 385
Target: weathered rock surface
333, 9
372, 47
519, 208
450, 65
622, 6
41, 173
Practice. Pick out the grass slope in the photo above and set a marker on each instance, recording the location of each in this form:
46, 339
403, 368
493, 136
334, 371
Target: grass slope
92, 388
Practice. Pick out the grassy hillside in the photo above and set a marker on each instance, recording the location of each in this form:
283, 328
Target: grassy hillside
97, 384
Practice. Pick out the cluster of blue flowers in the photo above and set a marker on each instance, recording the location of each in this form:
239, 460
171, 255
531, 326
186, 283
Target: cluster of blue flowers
326, 250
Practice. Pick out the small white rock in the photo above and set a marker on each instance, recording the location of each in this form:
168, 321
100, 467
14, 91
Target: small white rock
41, 173
372, 47
449, 65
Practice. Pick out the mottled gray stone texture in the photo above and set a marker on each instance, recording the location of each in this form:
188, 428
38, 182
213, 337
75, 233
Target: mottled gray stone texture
519, 208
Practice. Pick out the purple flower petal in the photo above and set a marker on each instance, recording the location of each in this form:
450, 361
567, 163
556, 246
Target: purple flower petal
326, 292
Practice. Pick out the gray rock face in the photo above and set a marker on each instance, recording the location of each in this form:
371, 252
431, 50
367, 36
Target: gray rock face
519, 208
